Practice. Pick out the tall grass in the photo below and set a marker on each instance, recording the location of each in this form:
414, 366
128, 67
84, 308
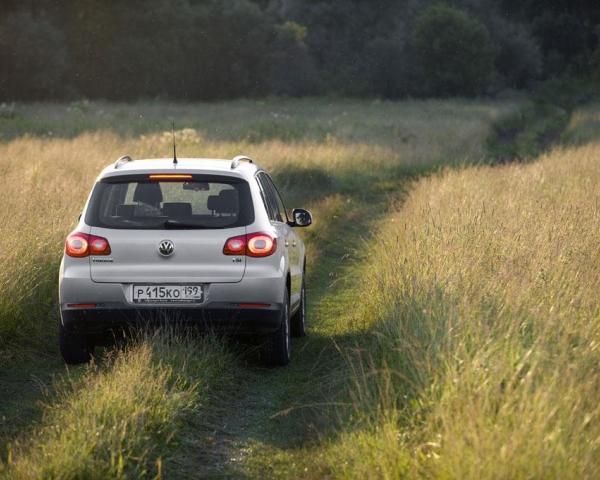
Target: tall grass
54, 152
482, 296
117, 419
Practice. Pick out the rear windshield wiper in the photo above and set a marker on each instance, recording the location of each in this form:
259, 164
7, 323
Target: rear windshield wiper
177, 224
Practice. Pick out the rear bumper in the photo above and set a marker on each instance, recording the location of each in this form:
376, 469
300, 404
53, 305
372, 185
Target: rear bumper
219, 311
226, 318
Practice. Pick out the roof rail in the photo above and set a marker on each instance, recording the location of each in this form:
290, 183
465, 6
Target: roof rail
123, 160
236, 160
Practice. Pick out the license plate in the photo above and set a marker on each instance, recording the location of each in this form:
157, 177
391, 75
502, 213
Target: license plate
168, 293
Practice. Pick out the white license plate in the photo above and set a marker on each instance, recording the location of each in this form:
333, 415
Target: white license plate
168, 293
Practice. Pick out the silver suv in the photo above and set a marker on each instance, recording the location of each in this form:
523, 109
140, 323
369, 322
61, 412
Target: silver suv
192, 240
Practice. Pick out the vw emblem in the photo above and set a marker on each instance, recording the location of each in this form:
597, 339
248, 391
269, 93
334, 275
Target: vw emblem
166, 248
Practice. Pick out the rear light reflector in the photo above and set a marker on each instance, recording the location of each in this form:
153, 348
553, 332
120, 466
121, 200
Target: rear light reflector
257, 244
81, 305
80, 244
253, 305
174, 177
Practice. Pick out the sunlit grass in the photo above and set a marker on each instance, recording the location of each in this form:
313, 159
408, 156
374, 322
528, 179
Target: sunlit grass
345, 161
482, 294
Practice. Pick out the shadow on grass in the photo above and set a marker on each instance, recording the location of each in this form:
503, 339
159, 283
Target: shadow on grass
293, 406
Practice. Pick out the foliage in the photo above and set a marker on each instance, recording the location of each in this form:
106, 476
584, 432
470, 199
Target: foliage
33, 57
291, 68
454, 52
518, 59
566, 31
210, 49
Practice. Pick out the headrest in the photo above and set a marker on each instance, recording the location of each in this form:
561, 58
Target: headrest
124, 210
148, 193
177, 209
226, 201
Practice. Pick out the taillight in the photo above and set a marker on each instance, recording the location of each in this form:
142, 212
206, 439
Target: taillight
235, 246
82, 244
260, 245
253, 245
76, 245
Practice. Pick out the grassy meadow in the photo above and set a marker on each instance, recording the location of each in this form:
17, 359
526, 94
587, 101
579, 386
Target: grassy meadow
453, 308
482, 304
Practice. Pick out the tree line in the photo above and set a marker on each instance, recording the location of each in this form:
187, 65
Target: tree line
215, 49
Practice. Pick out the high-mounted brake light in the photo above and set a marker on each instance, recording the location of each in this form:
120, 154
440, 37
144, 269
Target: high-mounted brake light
252, 245
173, 177
80, 244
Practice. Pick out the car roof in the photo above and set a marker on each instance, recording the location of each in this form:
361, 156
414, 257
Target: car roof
125, 166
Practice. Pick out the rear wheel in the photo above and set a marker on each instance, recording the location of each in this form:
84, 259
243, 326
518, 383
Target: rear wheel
298, 323
75, 348
276, 348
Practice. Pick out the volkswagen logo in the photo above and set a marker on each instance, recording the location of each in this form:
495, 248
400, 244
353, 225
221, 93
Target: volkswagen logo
166, 248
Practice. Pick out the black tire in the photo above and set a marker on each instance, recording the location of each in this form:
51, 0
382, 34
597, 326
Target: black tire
298, 322
75, 348
277, 346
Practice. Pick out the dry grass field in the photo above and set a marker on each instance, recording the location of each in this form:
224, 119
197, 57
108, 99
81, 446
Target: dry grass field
454, 315
483, 363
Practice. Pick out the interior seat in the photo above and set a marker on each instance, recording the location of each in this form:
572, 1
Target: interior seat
177, 209
148, 193
226, 202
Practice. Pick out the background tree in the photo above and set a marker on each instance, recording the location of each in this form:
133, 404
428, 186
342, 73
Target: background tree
454, 52
213, 49
33, 57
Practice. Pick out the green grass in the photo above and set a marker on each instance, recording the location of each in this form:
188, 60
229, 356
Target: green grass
453, 314
117, 419
528, 132
544, 121
482, 356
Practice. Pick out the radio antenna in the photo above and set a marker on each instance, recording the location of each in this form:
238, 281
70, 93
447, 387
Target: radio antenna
174, 145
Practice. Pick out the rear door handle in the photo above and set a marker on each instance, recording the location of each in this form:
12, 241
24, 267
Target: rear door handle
294, 243
287, 244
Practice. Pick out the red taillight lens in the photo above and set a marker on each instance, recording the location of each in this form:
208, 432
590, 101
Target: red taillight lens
98, 245
235, 246
81, 245
260, 245
76, 245
253, 245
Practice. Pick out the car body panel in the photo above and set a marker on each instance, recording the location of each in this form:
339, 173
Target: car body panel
197, 256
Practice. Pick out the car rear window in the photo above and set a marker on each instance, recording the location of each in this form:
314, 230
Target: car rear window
198, 202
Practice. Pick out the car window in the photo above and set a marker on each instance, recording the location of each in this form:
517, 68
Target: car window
278, 200
269, 198
206, 201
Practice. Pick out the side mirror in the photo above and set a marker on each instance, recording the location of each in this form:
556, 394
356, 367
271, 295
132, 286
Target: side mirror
302, 218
